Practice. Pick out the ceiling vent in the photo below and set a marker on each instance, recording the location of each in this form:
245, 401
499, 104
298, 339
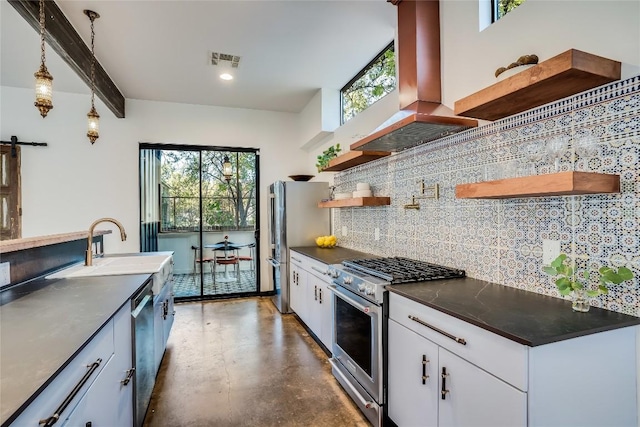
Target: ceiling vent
225, 58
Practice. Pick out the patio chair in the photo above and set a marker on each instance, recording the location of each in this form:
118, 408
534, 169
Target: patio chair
249, 257
198, 261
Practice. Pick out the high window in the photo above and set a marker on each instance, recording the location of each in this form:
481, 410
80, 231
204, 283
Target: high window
375, 80
502, 7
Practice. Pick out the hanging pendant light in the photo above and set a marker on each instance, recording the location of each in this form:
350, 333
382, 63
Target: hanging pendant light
227, 170
93, 130
44, 87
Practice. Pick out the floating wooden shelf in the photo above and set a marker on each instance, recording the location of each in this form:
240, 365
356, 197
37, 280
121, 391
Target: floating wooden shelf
563, 75
553, 184
353, 158
356, 202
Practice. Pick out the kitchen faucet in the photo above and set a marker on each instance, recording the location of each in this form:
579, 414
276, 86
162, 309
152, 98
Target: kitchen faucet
88, 259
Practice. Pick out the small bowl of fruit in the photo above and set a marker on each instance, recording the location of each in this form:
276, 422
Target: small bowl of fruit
326, 241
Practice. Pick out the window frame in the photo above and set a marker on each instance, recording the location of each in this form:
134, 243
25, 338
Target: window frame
361, 73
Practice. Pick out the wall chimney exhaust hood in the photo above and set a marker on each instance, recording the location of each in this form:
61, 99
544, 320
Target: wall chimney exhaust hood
422, 117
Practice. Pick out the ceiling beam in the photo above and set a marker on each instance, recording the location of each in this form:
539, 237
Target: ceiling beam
67, 43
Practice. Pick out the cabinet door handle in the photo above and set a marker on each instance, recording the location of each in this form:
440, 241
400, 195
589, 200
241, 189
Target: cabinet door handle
48, 422
129, 376
438, 330
313, 267
320, 299
444, 390
424, 369
315, 292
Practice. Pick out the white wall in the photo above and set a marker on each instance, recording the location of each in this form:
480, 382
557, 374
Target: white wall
70, 183
543, 27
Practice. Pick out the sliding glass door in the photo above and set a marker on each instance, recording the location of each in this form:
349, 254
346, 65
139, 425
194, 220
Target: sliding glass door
202, 204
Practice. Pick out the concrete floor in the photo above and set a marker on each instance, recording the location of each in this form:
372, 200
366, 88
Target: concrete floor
240, 363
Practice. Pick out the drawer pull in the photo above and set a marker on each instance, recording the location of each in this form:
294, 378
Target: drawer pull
56, 416
424, 369
313, 267
296, 259
444, 390
129, 376
438, 330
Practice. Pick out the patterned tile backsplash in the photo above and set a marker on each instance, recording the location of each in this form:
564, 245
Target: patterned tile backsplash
501, 240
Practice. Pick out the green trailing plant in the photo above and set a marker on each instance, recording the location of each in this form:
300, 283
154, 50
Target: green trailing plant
569, 279
328, 154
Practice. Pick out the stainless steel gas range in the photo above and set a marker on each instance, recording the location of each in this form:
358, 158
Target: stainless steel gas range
359, 305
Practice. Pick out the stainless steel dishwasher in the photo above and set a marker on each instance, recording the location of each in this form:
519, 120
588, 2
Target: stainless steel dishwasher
143, 344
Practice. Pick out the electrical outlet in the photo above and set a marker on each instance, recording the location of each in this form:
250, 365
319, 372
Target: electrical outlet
550, 251
5, 273
344, 230
376, 233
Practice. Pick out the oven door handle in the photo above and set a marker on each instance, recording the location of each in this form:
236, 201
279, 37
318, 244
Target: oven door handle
363, 308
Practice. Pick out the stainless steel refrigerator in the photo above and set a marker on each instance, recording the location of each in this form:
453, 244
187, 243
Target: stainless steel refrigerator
294, 220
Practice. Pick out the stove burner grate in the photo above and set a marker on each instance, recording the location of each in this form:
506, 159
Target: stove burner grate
397, 270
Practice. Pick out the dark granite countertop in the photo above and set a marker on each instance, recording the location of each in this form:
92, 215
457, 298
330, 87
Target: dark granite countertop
331, 256
524, 317
45, 324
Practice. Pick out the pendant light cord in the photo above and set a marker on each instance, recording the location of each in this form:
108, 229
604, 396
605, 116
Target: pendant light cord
42, 59
93, 64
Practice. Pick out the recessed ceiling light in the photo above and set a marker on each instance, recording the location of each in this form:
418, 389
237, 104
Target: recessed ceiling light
226, 63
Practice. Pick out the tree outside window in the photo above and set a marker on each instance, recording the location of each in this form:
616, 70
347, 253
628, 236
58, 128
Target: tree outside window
502, 7
226, 205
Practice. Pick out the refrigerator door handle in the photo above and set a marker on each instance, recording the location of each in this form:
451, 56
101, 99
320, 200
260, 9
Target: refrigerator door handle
273, 262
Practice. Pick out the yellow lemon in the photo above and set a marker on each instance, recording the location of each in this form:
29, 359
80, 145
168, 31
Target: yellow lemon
319, 240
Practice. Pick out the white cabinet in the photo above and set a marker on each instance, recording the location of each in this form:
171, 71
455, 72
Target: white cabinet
473, 377
109, 400
470, 396
163, 315
169, 312
319, 308
298, 289
101, 396
309, 297
413, 378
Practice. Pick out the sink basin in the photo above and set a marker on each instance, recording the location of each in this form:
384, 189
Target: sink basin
112, 266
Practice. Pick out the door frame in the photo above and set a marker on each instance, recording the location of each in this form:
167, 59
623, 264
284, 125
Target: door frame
200, 149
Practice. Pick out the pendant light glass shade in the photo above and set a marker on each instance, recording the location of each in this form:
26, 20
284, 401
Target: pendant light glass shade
44, 90
227, 169
44, 80
93, 130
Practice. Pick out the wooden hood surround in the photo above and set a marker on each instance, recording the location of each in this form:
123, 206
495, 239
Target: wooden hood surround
423, 117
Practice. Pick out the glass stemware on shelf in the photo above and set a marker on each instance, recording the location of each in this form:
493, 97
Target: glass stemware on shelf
586, 146
556, 148
534, 151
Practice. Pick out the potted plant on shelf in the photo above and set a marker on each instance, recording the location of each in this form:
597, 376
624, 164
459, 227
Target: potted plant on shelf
568, 281
328, 154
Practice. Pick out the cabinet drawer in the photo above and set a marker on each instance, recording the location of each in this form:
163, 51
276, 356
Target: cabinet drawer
311, 265
45, 405
501, 357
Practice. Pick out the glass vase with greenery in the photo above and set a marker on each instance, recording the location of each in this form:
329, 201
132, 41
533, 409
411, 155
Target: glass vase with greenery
568, 281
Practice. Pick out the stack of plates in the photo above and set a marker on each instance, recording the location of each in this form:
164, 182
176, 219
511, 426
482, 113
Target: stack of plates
362, 190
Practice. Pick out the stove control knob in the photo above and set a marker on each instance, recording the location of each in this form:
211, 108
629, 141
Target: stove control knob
371, 290
347, 280
362, 287
335, 274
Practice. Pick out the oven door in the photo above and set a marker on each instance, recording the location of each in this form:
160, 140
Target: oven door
357, 338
